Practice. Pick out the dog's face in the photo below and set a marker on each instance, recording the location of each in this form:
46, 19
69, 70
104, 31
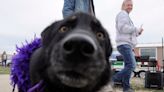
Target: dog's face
76, 51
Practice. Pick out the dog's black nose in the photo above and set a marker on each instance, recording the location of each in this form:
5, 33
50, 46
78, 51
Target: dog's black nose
80, 45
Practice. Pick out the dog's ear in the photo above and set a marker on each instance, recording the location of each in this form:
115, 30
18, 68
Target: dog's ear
46, 35
109, 47
49, 32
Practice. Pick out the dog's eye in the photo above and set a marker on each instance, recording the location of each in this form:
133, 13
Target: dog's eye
100, 35
63, 29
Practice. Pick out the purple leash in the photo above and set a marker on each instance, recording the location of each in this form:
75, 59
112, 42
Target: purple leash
39, 87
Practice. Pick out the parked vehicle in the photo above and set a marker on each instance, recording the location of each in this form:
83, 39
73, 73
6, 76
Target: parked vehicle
142, 63
9, 62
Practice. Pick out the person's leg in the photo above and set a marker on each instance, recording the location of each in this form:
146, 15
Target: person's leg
129, 61
2, 62
5, 63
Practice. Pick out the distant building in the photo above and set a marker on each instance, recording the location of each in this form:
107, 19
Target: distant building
154, 50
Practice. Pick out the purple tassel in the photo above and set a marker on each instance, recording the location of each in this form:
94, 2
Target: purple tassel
20, 75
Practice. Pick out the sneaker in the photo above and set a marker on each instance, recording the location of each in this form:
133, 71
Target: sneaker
129, 90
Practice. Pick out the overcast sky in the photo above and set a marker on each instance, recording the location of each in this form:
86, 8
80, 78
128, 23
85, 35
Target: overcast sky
20, 20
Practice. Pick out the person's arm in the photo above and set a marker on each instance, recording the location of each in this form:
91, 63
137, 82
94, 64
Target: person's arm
2, 57
68, 8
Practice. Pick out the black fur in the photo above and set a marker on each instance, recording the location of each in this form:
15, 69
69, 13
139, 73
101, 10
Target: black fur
74, 56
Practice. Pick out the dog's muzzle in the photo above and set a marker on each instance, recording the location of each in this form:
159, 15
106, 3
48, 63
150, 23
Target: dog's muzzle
79, 64
79, 44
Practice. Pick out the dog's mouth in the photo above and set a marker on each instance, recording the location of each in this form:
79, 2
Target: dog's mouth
73, 79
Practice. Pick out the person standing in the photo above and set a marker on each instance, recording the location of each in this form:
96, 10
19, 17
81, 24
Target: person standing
4, 58
73, 6
126, 40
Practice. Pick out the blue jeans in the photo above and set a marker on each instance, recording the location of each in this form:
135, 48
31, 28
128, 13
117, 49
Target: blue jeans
4, 63
129, 65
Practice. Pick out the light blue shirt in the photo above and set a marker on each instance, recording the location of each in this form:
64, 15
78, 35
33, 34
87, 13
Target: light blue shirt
72, 6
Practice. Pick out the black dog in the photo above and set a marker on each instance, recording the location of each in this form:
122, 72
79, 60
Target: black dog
74, 56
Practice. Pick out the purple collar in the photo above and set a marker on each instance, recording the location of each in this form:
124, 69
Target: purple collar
20, 75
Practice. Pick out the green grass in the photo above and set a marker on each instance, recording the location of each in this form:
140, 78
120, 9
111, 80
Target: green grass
138, 86
4, 70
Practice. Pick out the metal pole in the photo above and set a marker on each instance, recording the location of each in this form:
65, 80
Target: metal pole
162, 55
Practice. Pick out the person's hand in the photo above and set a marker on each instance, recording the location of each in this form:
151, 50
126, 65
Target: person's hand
141, 30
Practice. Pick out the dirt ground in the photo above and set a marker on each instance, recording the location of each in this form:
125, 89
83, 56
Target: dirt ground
138, 85
5, 83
